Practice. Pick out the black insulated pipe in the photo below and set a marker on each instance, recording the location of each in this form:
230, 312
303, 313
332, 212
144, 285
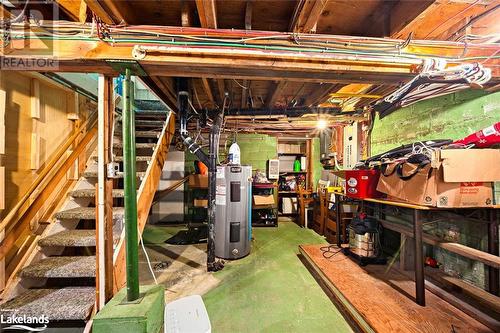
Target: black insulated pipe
212, 264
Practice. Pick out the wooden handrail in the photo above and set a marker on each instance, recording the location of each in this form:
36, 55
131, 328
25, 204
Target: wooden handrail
19, 209
145, 198
44, 194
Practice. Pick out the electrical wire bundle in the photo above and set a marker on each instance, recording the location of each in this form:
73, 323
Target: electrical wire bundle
366, 48
433, 84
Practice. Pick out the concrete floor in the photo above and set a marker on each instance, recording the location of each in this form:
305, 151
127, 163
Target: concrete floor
268, 291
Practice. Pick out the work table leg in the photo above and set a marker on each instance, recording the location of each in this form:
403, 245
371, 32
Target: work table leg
419, 260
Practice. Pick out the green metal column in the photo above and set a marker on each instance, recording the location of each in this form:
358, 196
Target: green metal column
130, 180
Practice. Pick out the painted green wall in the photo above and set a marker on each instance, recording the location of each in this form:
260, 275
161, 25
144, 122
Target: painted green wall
447, 117
317, 167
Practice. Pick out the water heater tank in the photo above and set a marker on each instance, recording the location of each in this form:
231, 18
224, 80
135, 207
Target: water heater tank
233, 202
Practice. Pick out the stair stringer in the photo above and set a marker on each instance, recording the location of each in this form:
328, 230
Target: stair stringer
145, 197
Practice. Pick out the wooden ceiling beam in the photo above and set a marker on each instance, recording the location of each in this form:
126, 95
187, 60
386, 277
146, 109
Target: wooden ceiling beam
76, 9
208, 90
306, 15
207, 13
221, 87
406, 15
248, 15
96, 7
244, 93
186, 18
275, 91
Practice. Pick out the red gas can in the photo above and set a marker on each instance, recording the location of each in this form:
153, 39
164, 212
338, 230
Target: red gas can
362, 184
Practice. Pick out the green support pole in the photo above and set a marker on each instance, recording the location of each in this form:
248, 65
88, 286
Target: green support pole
130, 188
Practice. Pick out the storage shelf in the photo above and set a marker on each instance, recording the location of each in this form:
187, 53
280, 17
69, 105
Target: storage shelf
291, 154
465, 251
292, 172
287, 192
259, 207
264, 225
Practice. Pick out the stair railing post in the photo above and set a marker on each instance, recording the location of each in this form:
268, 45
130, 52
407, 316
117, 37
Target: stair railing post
130, 188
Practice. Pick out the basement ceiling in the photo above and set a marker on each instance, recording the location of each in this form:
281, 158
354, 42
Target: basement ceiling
452, 20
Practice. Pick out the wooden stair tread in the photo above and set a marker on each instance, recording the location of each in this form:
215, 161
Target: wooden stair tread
90, 193
73, 238
142, 158
61, 267
147, 134
138, 145
93, 174
86, 213
70, 303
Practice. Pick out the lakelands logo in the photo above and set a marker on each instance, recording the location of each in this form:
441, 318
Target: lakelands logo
24, 323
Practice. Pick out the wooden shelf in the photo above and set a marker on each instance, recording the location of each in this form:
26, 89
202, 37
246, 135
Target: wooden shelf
465, 251
273, 206
287, 192
291, 154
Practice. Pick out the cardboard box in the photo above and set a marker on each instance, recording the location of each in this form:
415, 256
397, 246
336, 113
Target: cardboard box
289, 205
263, 200
200, 203
198, 181
456, 178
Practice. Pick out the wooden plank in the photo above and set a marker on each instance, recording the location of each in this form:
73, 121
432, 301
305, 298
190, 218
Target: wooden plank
248, 15
3, 100
221, 87
97, 9
244, 93
186, 19
384, 299
35, 99
306, 15
35, 148
76, 9
207, 13
465, 251
208, 90
482, 296
145, 198
2, 187
72, 105
274, 93
406, 15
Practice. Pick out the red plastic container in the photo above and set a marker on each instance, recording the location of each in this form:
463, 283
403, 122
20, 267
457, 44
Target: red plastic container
362, 184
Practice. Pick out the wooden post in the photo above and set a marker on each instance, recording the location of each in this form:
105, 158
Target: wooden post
104, 198
35, 115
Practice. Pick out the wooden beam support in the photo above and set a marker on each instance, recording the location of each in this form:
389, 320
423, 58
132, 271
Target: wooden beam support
244, 93
76, 9
102, 13
248, 15
274, 92
104, 197
208, 90
186, 18
406, 15
221, 87
306, 15
35, 116
207, 13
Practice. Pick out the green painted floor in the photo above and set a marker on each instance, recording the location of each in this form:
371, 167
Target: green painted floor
268, 291
271, 290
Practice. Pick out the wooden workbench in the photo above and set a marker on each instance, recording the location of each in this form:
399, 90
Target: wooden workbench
490, 258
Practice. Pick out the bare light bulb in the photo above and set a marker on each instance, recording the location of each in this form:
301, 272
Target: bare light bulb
321, 124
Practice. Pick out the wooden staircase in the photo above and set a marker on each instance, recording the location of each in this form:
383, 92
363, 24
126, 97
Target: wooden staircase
59, 281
